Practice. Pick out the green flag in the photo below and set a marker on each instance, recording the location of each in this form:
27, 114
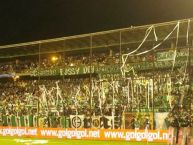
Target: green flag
31, 119
13, 121
62, 121
4, 118
67, 119
9, 120
22, 121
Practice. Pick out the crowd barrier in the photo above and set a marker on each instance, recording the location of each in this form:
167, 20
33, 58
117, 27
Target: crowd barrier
73, 127
126, 121
88, 134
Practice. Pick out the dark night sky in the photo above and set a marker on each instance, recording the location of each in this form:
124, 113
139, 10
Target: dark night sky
25, 20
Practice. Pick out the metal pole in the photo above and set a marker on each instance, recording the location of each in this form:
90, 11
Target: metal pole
190, 72
76, 105
90, 77
153, 97
120, 49
113, 106
132, 95
39, 62
128, 92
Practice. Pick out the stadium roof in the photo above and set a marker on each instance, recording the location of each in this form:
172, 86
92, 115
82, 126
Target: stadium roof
124, 38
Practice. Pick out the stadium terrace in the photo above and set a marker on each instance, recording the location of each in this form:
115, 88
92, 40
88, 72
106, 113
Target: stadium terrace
111, 85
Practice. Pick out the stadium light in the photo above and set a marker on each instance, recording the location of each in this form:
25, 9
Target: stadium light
71, 64
54, 58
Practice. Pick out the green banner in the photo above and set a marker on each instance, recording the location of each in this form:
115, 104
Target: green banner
64, 122
13, 121
108, 70
74, 70
22, 121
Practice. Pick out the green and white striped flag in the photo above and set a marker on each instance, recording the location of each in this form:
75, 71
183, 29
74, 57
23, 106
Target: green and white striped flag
64, 122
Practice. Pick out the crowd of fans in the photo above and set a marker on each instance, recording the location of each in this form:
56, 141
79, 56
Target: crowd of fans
45, 62
83, 96
163, 92
21, 65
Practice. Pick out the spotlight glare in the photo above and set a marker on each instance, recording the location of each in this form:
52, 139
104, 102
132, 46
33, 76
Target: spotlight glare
54, 58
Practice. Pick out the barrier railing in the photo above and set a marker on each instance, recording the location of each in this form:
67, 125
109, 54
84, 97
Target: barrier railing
88, 134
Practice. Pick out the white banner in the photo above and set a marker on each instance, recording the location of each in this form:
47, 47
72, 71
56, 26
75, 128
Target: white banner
160, 120
96, 122
106, 122
77, 121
